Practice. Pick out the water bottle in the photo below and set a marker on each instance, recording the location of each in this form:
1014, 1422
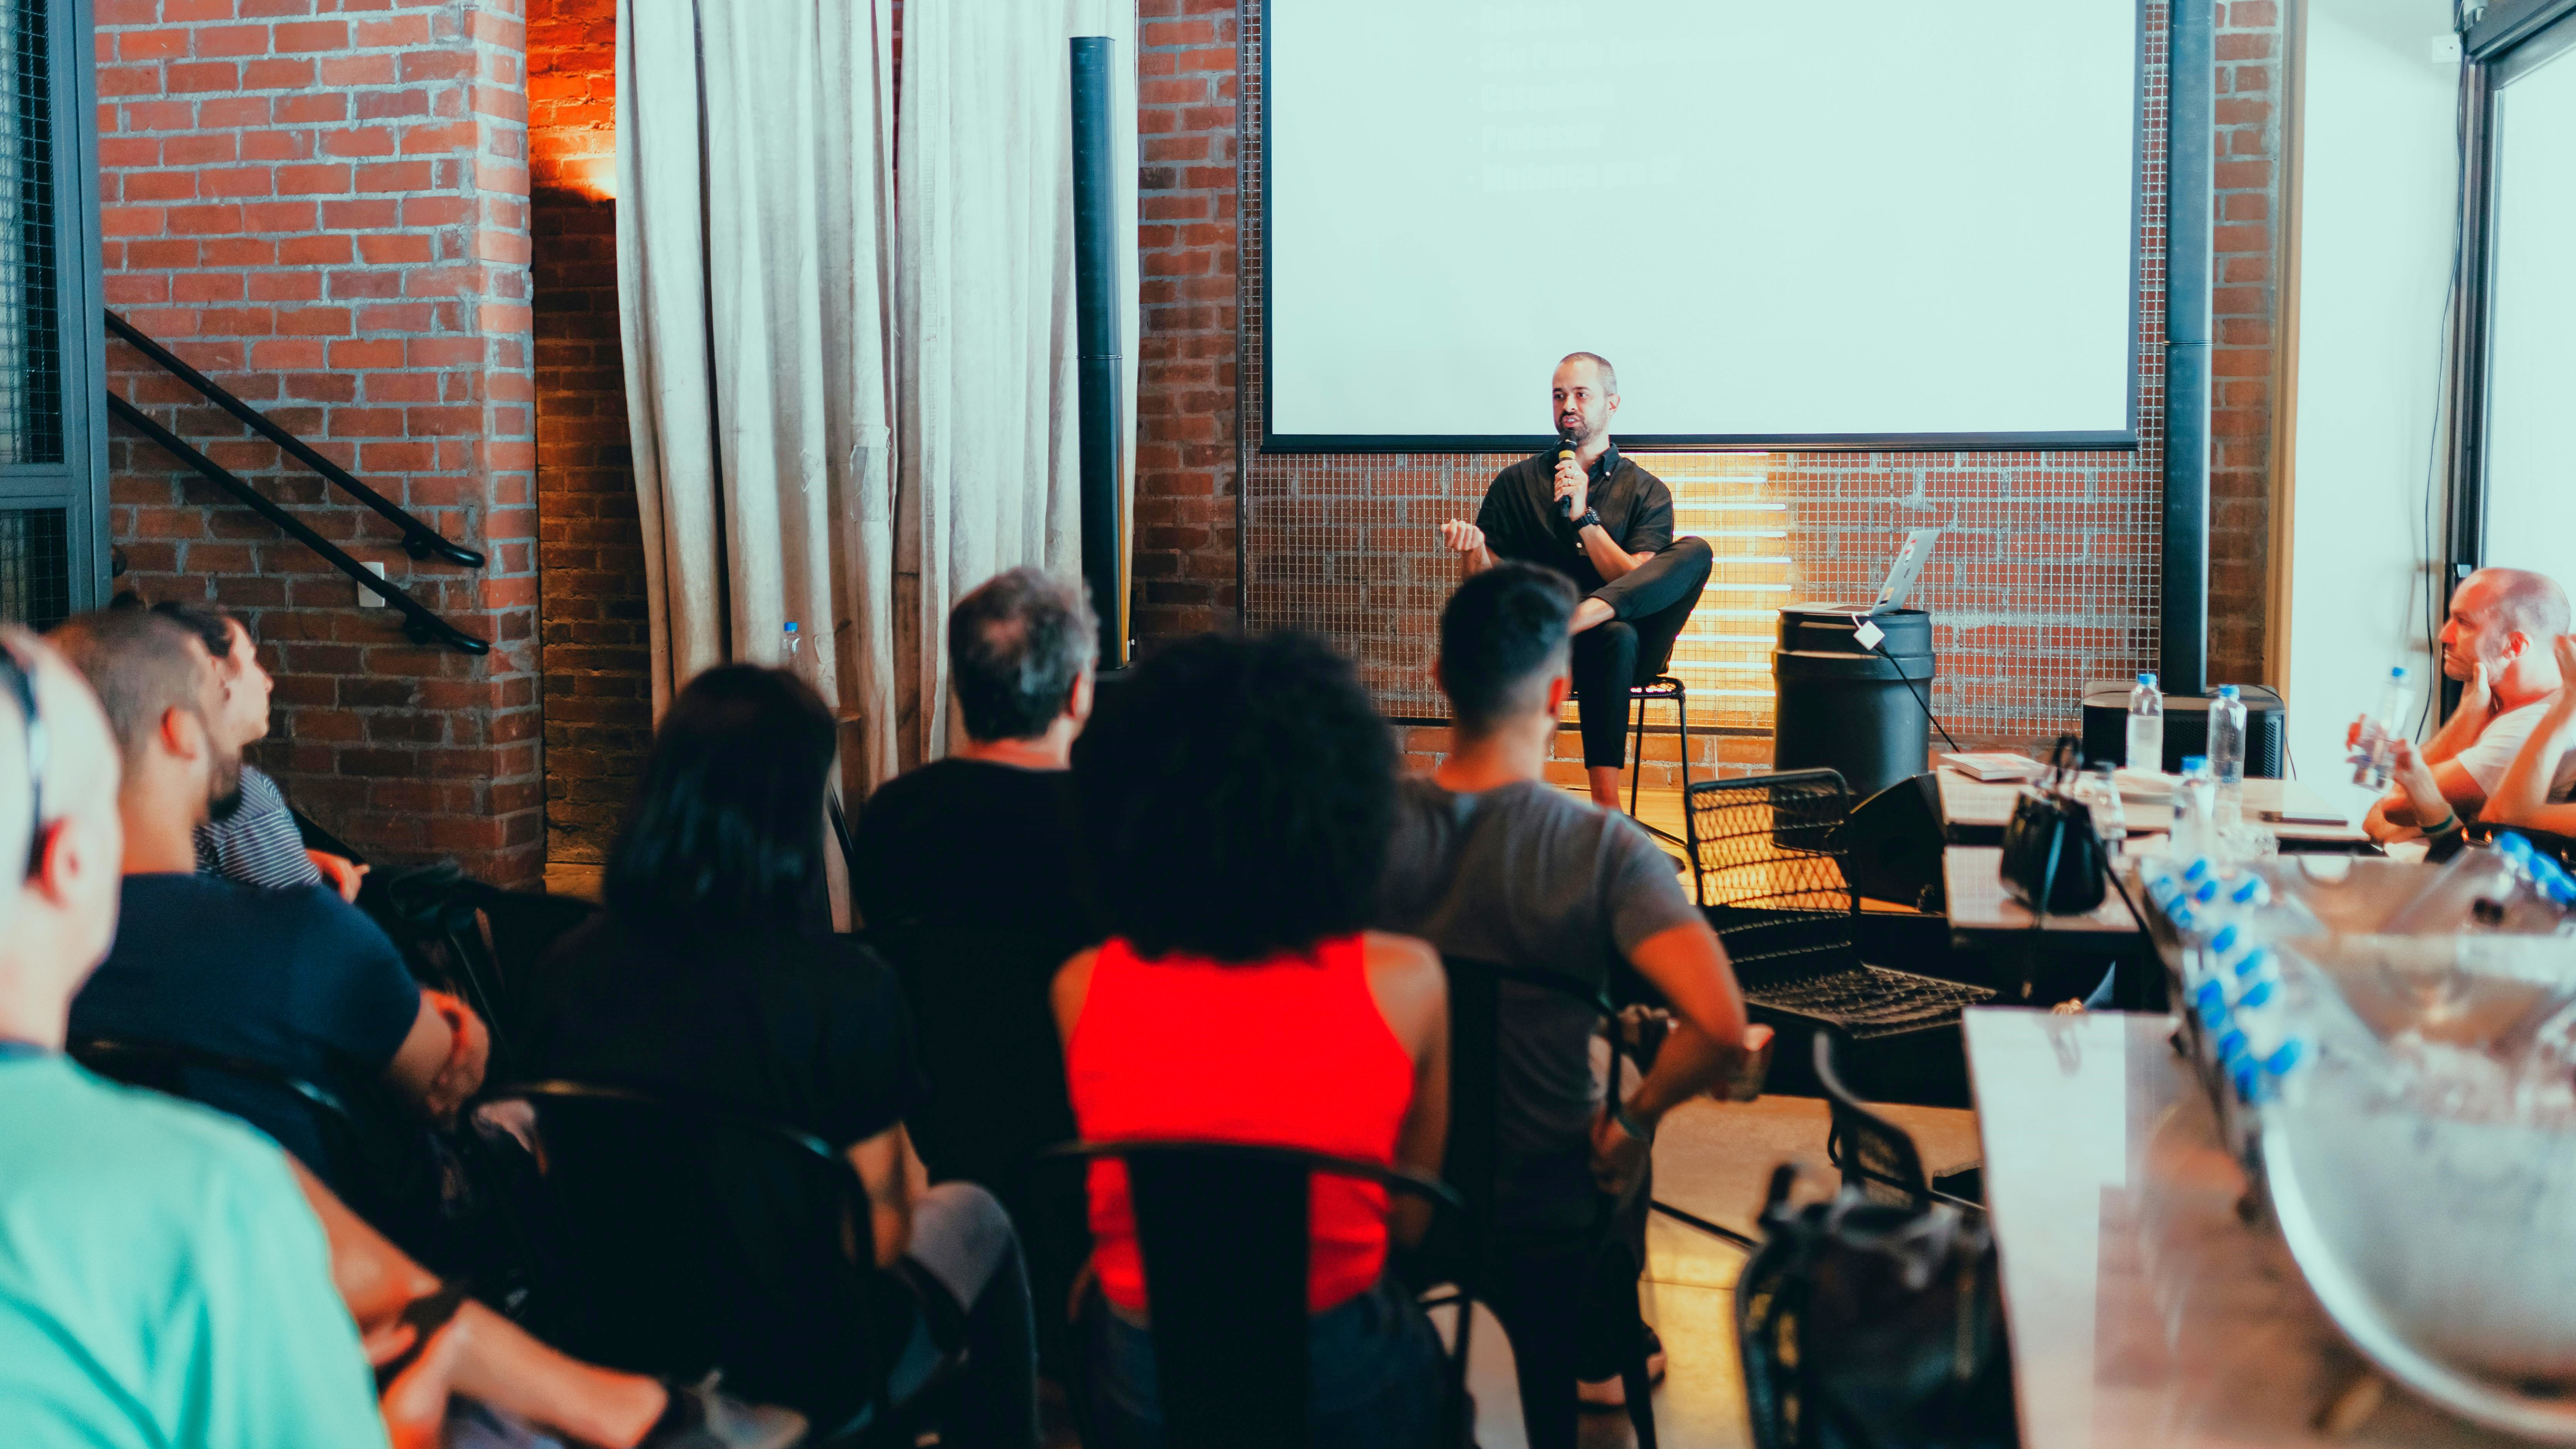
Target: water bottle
2227, 756
2374, 747
792, 656
2195, 835
2146, 725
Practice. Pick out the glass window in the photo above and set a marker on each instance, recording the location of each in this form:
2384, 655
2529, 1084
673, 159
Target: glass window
31, 381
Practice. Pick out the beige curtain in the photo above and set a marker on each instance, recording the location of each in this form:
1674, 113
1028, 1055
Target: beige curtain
755, 203
986, 380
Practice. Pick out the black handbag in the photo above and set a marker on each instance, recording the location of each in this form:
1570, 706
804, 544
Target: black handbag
2053, 860
1866, 1326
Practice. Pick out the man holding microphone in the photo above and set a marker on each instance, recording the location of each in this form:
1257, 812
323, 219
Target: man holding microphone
1596, 517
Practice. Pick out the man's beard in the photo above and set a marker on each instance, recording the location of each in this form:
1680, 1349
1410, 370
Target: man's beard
226, 800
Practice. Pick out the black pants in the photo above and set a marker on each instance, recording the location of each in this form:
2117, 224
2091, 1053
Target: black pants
1652, 603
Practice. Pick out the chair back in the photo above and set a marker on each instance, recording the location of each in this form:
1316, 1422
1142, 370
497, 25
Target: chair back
1767, 865
675, 1239
370, 1165
1876, 1156
1222, 1229
1477, 1004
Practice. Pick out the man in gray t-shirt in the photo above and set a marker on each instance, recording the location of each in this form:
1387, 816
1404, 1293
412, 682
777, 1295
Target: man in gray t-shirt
1488, 862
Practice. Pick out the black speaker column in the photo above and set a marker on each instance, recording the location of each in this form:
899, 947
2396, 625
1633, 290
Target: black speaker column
1101, 360
1892, 845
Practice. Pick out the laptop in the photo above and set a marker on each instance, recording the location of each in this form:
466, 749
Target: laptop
1910, 558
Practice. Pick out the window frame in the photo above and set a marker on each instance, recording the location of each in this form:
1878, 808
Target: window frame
78, 482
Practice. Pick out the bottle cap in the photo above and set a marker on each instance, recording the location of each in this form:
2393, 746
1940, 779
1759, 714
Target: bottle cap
2513, 847
2397, 672
2256, 995
2292, 1052
2227, 691
2225, 940
2250, 891
2231, 1044
2207, 894
2253, 962
2147, 677
791, 626
2249, 1080
2196, 870
2194, 762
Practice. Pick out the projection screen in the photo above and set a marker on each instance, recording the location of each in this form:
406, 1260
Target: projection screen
1882, 223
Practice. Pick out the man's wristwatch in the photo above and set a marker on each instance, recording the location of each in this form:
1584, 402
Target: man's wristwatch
1591, 519
1630, 1125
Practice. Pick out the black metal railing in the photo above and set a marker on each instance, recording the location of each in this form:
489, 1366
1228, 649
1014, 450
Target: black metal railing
419, 539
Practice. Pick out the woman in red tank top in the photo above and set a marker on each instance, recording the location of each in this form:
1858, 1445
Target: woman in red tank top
1241, 794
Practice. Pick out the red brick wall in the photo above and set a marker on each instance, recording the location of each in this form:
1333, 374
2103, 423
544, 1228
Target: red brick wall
327, 212
596, 651
2047, 578
1188, 453
2244, 301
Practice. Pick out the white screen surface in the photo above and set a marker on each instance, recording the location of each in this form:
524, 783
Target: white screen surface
1909, 221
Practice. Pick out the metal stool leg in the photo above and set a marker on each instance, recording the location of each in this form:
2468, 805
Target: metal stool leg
1636, 755
1681, 707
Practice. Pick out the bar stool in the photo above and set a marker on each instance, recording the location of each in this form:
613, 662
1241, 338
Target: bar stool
1662, 686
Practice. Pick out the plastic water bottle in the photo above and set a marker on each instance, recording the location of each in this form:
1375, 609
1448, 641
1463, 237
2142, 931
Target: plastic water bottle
2508, 890
2195, 808
2146, 725
2374, 747
2227, 756
792, 656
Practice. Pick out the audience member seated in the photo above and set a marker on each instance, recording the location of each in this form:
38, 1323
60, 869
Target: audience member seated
1241, 800
1491, 863
2536, 789
251, 836
934, 843
2496, 642
296, 980
171, 1246
701, 982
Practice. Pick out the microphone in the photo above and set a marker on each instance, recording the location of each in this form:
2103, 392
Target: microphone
1564, 450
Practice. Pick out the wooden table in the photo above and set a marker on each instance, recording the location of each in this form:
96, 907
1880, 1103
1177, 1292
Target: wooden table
2143, 1312
1975, 812
2027, 958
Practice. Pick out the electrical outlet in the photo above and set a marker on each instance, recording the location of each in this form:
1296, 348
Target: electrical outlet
367, 597
2446, 50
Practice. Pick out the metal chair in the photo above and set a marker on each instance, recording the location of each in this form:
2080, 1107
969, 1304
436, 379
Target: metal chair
1767, 866
673, 1239
1877, 1157
1223, 1230
1662, 686
1477, 990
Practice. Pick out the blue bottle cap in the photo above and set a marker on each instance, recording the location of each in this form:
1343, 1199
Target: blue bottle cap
2225, 940
2397, 672
2256, 995
2227, 691
2231, 1044
2198, 868
2246, 890
2213, 1011
2147, 677
2184, 920
2207, 894
2194, 762
2290, 1054
2249, 1081
791, 626
2253, 962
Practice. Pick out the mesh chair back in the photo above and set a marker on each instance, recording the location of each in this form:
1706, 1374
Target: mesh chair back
1222, 1228
681, 1239
1769, 872
1876, 1156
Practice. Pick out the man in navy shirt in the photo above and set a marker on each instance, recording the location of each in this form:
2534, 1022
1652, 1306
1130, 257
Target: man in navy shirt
1607, 524
296, 980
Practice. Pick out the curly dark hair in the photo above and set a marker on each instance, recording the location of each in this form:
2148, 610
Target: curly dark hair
727, 827
1241, 792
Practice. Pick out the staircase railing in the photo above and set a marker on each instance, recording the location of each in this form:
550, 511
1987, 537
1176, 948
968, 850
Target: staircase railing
419, 539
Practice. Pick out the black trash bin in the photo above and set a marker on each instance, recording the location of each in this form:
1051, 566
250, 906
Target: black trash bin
1847, 708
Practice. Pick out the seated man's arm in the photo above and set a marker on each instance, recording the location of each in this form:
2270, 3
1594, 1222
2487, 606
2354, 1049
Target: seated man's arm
1686, 963
2522, 796
495, 1360
440, 1062
883, 1165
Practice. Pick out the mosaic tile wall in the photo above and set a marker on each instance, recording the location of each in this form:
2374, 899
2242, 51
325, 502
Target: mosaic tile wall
2045, 578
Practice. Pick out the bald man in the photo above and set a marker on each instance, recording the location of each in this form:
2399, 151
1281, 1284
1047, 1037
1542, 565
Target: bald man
1606, 524
2499, 643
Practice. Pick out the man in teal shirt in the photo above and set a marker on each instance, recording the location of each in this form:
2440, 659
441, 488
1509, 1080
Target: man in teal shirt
162, 1281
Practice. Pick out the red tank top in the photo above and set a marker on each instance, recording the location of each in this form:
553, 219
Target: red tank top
1288, 1052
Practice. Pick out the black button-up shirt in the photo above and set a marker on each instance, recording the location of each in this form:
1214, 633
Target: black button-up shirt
1520, 520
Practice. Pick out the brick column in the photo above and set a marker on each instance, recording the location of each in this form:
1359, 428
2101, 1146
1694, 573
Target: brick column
328, 214
595, 650
2243, 299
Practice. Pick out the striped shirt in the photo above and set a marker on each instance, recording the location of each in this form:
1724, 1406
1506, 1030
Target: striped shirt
258, 844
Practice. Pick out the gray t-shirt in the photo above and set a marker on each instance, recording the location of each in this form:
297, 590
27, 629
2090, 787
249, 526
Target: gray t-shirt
1528, 876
